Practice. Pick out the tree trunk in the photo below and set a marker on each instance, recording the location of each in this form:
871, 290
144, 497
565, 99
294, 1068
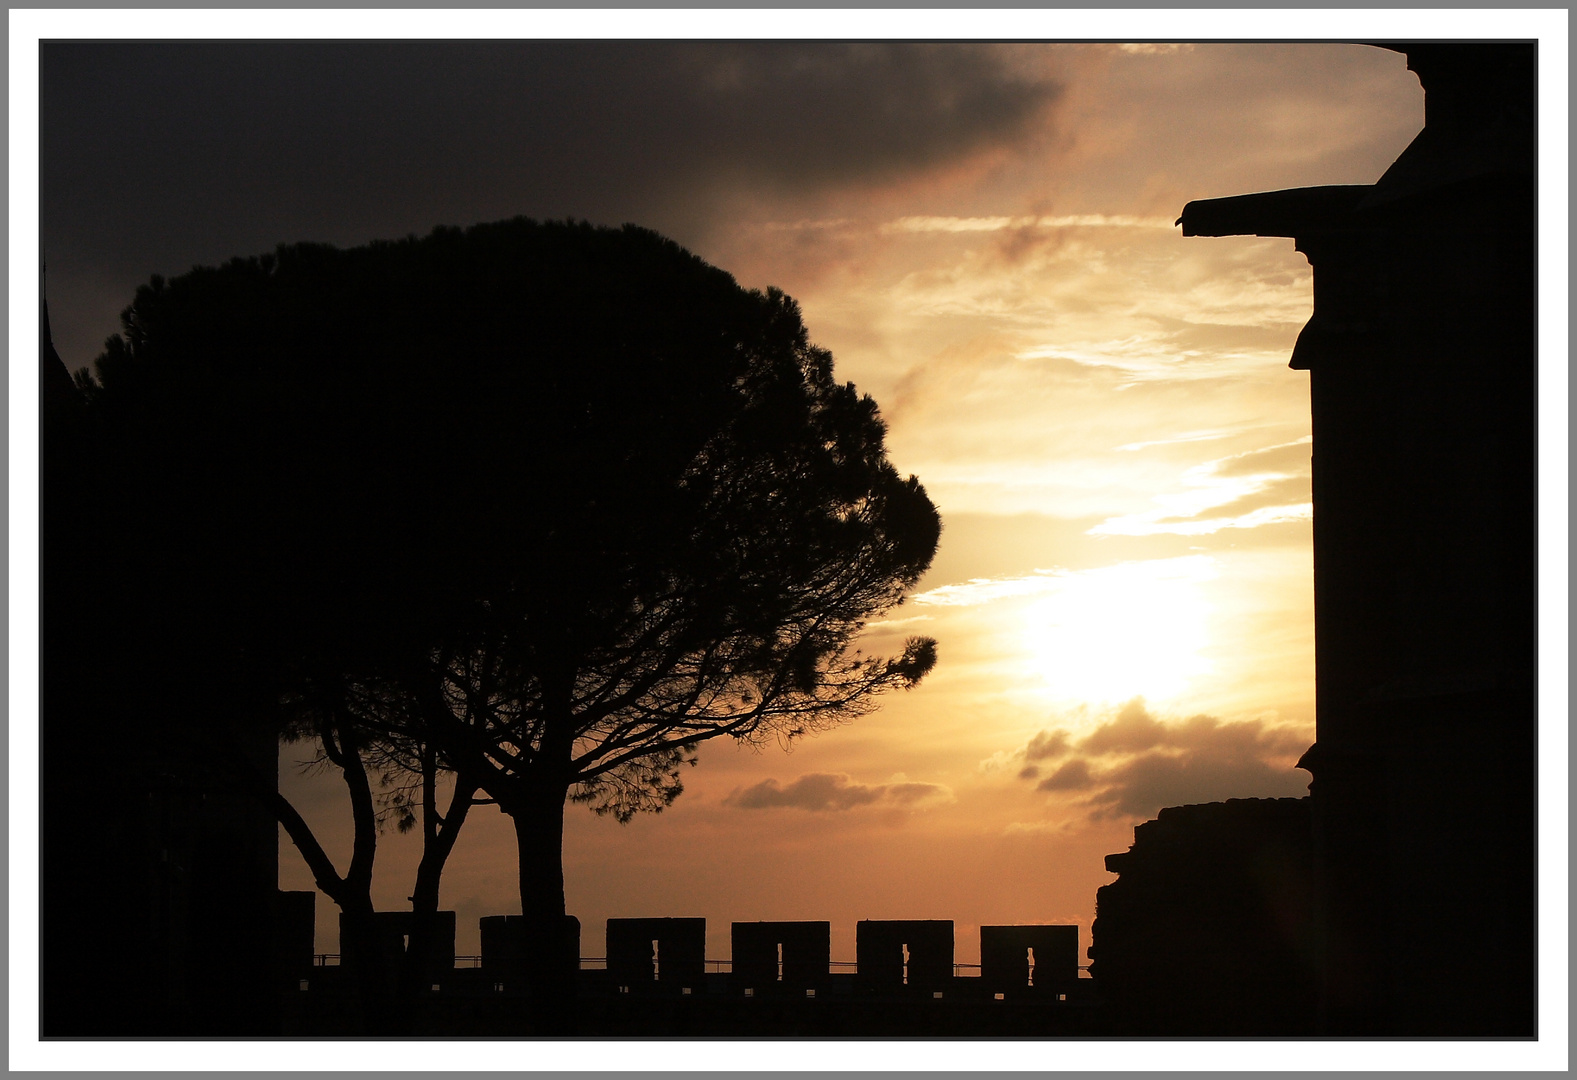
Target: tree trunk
548, 949
439, 835
438, 840
361, 946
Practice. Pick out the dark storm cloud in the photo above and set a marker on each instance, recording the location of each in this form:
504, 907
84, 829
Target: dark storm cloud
813, 114
1135, 763
158, 155
830, 791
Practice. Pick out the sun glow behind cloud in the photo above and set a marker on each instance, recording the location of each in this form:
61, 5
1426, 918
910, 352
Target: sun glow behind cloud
1103, 635
1135, 629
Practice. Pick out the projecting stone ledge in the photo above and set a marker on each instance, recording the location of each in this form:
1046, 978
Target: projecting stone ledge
1272, 213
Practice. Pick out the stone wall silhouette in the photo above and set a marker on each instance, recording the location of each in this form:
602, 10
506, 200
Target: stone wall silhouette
1209, 928
643, 951
1018, 958
790, 955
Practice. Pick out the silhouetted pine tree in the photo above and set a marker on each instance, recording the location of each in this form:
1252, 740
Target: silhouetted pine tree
542, 505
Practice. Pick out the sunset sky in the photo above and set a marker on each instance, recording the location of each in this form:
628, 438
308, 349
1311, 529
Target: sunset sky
983, 237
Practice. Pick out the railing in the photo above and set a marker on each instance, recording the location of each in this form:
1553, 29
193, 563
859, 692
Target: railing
715, 967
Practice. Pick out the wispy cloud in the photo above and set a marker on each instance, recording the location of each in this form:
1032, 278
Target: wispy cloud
1037, 828
985, 590
806, 224
1186, 437
1266, 476
954, 224
999, 760
833, 792
940, 224
893, 624
1156, 522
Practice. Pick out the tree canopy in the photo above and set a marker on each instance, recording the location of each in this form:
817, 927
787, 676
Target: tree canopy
543, 504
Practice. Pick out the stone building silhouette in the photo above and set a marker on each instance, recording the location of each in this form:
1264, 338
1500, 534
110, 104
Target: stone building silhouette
1421, 355
1209, 928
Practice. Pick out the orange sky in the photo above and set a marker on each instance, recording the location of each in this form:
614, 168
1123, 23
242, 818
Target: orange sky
1103, 413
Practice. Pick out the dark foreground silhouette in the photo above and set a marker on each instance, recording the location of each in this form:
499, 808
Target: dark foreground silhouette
535, 507
654, 979
1422, 372
1209, 929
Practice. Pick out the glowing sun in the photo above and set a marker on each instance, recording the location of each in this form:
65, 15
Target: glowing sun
1110, 634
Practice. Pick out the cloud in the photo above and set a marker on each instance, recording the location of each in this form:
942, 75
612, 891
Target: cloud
1283, 459
1186, 437
1266, 486
999, 760
1134, 763
232, 147
1152, 48
812, 791
806, 225
1036, 828
890, 624
913, 792
932, 223
1073, 776
1153, 524
820, 112
1132, 729
985, 590
1141, 787
1047, 745
954, 224
1282, 493
833, 791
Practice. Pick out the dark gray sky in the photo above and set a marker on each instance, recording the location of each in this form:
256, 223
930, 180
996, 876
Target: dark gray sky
159, 156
